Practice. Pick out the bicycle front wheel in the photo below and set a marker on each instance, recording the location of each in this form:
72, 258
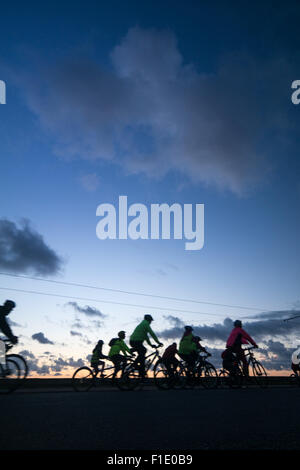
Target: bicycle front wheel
23, 366
259, 374
83, 379
9, 376
208, 376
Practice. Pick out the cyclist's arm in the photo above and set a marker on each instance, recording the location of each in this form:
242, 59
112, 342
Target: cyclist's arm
125, 349
4, 326
151, 332
248, 338
148, 340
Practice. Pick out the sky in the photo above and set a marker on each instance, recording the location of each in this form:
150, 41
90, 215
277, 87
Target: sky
170, 102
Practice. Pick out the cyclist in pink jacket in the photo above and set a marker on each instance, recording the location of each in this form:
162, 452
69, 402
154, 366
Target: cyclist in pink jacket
237, 337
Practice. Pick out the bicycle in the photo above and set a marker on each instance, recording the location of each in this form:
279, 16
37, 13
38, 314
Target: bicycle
235, 378
85, 377
23, 366
131, 377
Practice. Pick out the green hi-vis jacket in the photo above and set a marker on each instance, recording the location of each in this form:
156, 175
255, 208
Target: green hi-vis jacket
141, 333
119, 345
187, 345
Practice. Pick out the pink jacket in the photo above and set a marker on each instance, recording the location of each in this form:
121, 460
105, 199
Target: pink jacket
245, 338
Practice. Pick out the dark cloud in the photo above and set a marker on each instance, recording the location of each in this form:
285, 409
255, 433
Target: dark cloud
87, 310
266, 325
23, 250
27, 354
151, 112
59, 364
40, 337
75, 333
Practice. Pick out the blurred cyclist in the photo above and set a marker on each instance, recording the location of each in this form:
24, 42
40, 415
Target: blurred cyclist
5, 310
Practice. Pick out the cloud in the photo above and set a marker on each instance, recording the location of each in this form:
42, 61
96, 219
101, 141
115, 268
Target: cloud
40, 337
152, 113
27, 354
87, 310
75, 333
265, 326
23, 250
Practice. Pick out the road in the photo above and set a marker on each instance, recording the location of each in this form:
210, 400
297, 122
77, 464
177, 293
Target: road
150, 419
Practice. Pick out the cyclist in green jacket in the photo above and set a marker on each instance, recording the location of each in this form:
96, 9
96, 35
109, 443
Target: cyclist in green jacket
188, 347
97, 356
118, 345
137, 338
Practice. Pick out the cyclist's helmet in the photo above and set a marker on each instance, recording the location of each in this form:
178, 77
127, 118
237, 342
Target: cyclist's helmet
188, 328
148, 318
10, 304
100, 342
197, 338
122, 334
238, 323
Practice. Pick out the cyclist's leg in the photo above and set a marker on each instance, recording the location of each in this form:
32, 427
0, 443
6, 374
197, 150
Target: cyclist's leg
241, 356
169, 366
141, 350
118, 361
2, 354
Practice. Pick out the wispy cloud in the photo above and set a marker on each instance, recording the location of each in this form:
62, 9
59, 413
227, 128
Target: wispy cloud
86, 310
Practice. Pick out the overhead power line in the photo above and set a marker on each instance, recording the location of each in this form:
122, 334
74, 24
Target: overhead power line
152, 307
132, 292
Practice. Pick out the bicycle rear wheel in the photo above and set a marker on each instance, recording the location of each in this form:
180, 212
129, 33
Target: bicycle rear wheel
83, 379
162, 379
259, 374
9, 376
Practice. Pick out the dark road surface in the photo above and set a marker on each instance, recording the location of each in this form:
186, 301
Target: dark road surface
150, 419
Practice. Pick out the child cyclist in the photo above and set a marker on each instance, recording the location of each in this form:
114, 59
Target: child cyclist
97, 356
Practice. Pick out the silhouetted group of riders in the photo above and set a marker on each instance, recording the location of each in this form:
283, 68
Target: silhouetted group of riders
188, 350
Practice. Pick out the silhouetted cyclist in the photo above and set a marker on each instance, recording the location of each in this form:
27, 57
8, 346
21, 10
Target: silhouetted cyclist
188, 347
169, 359
117, 345
5, 310
237, 337
137, 338
200, 348
97, 356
